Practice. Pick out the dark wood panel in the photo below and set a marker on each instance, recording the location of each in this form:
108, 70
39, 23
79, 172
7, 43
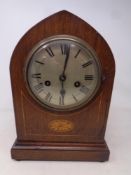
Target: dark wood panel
60, 151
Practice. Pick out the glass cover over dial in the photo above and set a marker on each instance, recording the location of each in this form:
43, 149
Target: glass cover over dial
63, 72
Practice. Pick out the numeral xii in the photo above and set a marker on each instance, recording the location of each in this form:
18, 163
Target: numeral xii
65, 48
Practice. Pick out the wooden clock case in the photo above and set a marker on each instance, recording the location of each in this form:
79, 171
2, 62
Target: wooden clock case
35, 140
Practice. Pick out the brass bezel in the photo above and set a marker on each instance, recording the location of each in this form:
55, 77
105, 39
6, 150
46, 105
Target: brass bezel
81, 42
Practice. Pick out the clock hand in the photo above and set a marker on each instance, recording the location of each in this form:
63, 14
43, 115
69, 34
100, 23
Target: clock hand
66, 59
62, 77
62, 91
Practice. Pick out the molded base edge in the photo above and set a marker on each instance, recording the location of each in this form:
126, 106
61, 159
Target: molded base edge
23, 150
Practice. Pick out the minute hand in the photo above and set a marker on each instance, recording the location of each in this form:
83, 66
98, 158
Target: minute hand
66, 59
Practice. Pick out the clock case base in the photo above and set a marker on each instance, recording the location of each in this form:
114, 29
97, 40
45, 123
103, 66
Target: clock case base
60, 151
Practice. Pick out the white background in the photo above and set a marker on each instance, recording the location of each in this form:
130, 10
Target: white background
112, 19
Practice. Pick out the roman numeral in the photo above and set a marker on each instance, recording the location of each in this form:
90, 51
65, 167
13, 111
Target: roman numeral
49, 51
77, 53
48, 97
38, 75
89, 77
64, 48
39, 62
61, 100
87, 64
74, 98
84, 89
39, 87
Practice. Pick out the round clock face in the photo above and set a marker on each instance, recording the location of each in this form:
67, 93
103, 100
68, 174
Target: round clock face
63, 73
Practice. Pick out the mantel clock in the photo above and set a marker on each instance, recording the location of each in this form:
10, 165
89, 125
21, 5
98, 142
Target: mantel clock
62, 73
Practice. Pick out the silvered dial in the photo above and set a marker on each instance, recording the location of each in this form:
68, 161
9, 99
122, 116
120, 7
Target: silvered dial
63, 72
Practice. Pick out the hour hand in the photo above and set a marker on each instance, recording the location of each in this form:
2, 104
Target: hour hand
62, 78
62, 92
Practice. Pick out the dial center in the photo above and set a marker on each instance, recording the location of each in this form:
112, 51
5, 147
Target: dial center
62, 77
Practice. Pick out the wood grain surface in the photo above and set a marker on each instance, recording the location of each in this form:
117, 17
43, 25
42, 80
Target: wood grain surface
35, 139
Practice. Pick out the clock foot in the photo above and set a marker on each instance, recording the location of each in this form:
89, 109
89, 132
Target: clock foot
22, 150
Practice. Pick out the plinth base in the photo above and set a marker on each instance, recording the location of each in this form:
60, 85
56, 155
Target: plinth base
22, 150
